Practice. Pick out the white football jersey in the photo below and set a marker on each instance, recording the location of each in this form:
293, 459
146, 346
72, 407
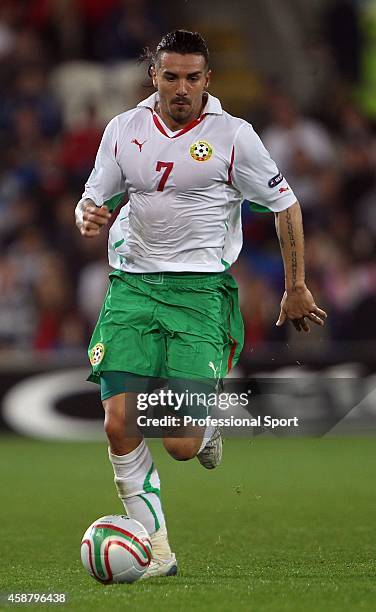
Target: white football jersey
185, 188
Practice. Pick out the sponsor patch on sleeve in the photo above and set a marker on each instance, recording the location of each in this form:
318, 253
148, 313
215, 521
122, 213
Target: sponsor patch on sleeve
275, 180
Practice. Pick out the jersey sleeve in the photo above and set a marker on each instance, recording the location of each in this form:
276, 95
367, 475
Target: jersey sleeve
106, 184
255, 175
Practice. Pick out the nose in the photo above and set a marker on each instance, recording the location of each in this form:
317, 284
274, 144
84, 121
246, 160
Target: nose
182, 88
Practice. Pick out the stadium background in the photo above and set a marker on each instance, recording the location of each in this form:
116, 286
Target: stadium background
304, 74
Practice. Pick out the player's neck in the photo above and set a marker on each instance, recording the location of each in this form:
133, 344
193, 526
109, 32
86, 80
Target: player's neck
174, 125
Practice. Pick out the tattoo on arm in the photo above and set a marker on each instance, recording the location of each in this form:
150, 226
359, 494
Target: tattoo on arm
294, 257
290, 229
291, 240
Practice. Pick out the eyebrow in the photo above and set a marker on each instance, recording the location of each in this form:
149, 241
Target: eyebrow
190, 74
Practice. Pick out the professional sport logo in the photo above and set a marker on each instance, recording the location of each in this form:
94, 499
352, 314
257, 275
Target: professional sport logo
201, 151
96, 354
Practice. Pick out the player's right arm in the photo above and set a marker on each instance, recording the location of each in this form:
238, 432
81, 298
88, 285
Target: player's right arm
90, 218
105, 188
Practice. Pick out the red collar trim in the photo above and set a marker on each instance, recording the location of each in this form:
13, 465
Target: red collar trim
187, 128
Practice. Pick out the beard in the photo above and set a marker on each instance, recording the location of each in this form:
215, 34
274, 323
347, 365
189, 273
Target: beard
180, 114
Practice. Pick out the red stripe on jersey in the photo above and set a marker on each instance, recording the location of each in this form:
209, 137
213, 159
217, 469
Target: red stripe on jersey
229, 177
159, 125
188, 127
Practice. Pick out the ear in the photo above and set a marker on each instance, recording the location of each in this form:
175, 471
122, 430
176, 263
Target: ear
208, 77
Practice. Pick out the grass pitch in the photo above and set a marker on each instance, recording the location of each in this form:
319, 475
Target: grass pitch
282, 525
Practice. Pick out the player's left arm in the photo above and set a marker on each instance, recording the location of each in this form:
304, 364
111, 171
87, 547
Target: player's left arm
258, 179
297, 303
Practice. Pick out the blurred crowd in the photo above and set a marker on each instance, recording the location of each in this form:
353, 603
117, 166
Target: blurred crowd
331, 165
66, 67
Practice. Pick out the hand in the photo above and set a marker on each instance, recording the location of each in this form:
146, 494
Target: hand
298, 306
90, 218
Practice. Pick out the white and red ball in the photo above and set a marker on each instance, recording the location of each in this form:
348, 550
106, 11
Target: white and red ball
116, 549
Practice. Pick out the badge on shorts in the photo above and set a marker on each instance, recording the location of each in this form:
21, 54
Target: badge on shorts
201, 151
97, 354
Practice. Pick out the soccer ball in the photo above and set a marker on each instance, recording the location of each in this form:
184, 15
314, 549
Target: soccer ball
201, 150
116, 549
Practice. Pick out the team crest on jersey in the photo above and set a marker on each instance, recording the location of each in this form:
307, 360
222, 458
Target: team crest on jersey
201, 151
97, 354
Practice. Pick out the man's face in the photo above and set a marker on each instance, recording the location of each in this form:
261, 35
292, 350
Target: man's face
180, 80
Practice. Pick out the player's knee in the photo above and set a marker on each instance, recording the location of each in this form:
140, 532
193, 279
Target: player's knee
114, 428
180, 449
114, 424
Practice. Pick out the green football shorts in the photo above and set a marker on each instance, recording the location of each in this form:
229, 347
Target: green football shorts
165, 325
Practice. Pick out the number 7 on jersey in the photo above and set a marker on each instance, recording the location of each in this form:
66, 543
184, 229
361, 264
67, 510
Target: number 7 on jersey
168, 167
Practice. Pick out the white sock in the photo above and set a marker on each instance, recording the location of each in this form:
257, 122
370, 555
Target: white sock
160, 545
209, 430
138, 485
